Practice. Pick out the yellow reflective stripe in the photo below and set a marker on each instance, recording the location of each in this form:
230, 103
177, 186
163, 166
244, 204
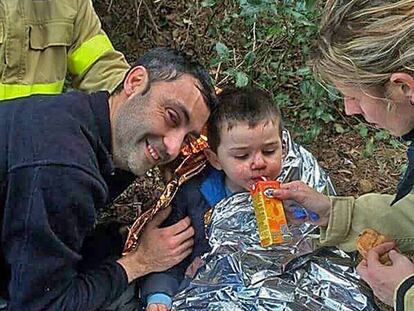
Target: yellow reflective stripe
10, 91
84, 56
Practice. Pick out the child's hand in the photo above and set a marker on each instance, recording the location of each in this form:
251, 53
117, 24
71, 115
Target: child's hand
157, 307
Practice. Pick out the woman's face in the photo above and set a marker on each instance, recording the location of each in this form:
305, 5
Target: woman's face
393, 112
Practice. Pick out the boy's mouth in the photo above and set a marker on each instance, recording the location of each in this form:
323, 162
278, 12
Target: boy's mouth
259, 178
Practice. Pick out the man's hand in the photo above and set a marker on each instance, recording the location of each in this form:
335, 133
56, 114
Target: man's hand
159, 248
157, 307
297, 192
384, 279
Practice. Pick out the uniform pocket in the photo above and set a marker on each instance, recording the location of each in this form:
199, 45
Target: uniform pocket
50, 35
46, 58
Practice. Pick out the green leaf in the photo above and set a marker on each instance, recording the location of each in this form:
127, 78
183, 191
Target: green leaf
327, 117
382, 135
241, 79
274, 31
363, 130
250, 57
208, 3
369, 148
222, 50
304, 71
339, 128
282, 99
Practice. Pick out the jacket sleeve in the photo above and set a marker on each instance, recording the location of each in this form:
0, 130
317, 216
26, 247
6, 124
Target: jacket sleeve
404, 295
49, 210
168, 282
92, 61
349, 216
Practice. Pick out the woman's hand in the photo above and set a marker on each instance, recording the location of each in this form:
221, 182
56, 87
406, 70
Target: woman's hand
384, 280
297, 192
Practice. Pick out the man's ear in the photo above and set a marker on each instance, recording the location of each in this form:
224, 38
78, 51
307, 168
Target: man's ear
136, 81
406, 81
213, 159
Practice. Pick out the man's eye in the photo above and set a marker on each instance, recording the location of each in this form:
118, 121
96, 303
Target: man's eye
241, 156
173, 118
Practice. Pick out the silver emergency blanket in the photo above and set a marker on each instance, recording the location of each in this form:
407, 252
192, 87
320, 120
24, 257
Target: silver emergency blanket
239, 274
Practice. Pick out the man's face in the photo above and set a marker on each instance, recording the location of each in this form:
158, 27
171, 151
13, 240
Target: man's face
247, 154
150, 129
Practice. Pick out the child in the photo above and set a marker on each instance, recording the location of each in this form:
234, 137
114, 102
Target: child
244, 135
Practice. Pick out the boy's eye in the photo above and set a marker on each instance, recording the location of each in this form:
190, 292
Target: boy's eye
241, 156
269, 151
173, 117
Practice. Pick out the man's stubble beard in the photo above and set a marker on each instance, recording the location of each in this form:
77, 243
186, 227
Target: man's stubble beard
129, 147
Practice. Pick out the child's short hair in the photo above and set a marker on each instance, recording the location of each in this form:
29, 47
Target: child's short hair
248, 104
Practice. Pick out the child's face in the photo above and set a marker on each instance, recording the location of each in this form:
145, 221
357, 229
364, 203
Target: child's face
247, 154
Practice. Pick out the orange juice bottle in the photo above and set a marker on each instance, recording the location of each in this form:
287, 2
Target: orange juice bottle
270, 214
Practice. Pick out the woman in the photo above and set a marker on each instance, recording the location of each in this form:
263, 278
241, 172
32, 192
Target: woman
366, 49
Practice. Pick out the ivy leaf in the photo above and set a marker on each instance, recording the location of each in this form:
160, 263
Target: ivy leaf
241, 79
222, 50
363, 131
250, 57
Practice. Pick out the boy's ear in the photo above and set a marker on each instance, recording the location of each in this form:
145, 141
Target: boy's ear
284, 148
213, 159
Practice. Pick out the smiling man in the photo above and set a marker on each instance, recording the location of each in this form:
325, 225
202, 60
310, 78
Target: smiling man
57, 156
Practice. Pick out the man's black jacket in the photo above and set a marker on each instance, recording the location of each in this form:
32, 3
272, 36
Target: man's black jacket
54, 166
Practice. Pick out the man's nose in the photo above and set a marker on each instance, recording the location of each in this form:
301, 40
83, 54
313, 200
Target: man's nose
351, 106
258, 161
173, 143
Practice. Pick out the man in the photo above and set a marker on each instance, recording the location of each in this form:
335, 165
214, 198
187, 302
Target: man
56, 155
41, 40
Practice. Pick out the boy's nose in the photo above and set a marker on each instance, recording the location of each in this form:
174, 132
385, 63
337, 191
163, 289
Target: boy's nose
258, 162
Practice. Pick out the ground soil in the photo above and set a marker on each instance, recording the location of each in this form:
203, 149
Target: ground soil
136, 25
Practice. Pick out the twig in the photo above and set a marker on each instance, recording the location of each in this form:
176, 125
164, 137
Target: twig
217, 72
254, 35
138, 8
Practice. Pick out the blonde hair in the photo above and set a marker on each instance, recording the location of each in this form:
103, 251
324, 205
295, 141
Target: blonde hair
362, 42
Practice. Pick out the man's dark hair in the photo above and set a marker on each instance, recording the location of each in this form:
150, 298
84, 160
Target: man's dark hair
166, 64
249, 104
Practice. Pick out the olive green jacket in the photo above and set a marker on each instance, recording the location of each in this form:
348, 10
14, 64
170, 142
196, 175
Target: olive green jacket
349, 216
40, 40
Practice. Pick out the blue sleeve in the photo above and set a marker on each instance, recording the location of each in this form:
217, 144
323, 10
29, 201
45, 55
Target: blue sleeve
159, 298
49, 210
